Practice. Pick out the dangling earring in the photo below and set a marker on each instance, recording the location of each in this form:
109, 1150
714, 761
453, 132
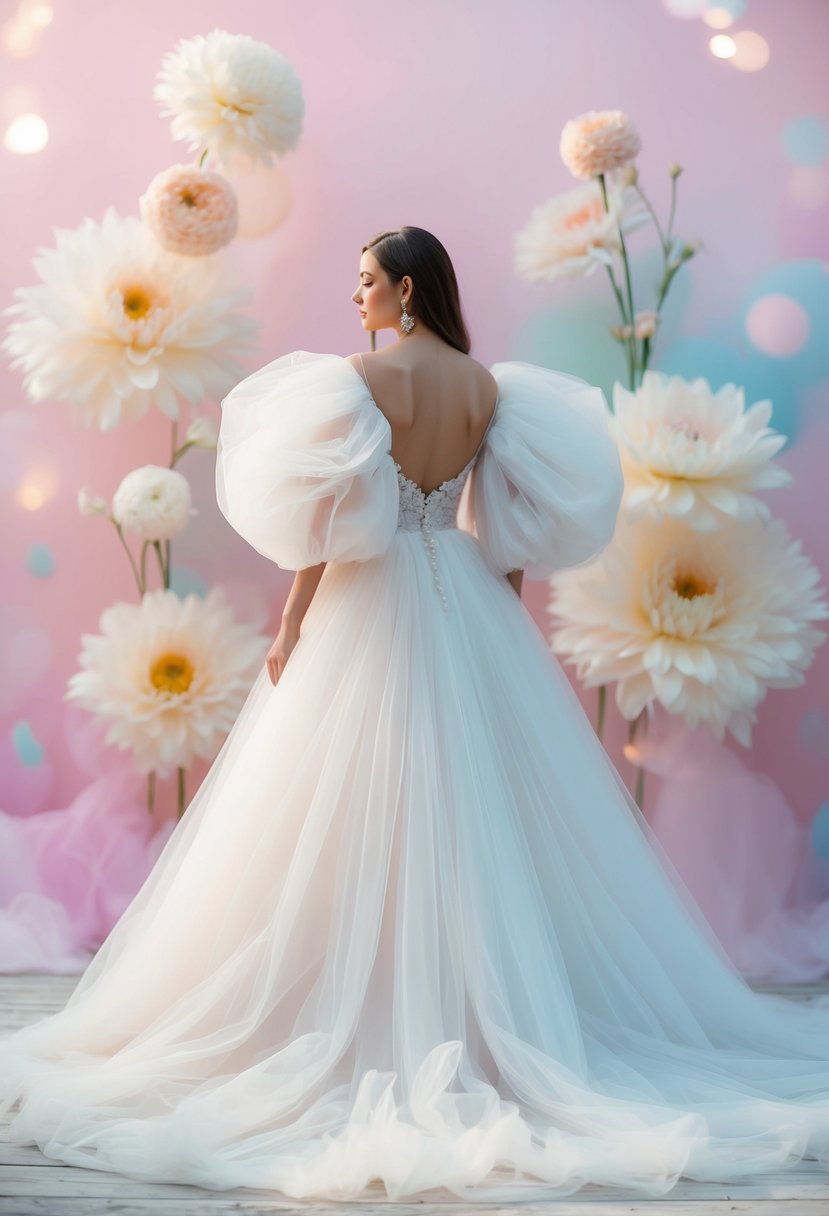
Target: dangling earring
406, 321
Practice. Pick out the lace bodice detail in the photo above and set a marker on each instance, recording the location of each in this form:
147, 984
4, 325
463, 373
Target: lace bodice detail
438, 509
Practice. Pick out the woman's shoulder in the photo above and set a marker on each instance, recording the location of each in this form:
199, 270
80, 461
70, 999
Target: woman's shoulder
389, 365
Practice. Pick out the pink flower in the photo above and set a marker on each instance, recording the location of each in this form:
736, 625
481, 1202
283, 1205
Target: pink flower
190, 210
598, 142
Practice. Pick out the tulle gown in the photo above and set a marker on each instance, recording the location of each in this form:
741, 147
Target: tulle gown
412, 931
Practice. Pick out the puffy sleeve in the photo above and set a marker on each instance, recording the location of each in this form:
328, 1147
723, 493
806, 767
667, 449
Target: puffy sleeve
303, 471
545, 491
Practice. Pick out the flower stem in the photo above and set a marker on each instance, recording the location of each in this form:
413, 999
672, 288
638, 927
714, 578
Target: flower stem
151, 791
640, 771
138, 577
173, 444
626, 313
182, 798
165, 569
601, 710
144, 566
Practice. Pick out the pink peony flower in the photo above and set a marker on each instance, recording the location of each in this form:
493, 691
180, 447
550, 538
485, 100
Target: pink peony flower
598, 142
190, 210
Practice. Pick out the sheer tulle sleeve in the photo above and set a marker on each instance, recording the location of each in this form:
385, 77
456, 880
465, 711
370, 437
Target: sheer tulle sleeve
546, 488
302, 465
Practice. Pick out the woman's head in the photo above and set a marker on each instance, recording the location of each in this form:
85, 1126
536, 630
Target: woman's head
410, 265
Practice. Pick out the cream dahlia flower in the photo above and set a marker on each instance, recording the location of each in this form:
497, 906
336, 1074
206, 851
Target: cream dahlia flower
572, 233
599, 142
190, 211
232, 95
153, 502
169, 675
704, 625
693, 454
119, 324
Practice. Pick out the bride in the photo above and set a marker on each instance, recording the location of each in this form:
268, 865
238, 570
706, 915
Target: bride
413, 932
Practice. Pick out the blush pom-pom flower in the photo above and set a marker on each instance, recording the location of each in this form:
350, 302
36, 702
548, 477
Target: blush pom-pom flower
232, 95
693, 454
572, 234
599, 142
119, 324
703, 625
169, 675
190, 211
154, 502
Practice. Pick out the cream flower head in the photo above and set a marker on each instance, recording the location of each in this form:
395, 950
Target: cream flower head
599, 142
572, 234
169, 675
705, 625
153, 502
190, 211
693, 454
232, 95
119, 324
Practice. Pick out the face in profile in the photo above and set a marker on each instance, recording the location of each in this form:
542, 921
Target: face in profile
378, 300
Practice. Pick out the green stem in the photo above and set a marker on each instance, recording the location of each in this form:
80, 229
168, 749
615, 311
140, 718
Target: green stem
151, 791
601, 710
139, 580
165, 569
144, 566
626, 314
173, 444
639, 793
182, 797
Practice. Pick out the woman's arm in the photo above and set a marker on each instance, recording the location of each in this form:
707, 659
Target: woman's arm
302, 592
514, 578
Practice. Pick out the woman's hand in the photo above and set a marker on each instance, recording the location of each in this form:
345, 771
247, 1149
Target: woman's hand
280, 652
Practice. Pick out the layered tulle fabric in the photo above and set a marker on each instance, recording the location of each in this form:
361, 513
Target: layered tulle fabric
413, 931
546, 489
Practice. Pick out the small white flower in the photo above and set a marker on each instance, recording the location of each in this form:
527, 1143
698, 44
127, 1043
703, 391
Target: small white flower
170, 675
119, 324
572, 234
691, 454
646, 322
232, 95
153, 502
91, 504
202, 433
704, 625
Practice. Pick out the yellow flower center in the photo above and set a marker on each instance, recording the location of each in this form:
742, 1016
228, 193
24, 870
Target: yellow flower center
172, 673
137, 302
689, 586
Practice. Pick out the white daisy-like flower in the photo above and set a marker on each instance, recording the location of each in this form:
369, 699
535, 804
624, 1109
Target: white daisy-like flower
572, 234
692, 454
154, 502
119, 324
232, 95
170, 676
704, 625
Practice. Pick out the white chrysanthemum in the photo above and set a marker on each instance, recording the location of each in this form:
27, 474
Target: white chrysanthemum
572, 234
692, 454
232, 95
119, 324
154, 502
599, 142
170, 675
704, 625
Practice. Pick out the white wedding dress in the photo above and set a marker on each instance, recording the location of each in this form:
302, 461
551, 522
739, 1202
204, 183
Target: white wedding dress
413, 929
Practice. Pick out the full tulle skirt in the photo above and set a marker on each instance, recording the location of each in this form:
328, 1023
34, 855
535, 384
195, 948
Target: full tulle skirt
413, 929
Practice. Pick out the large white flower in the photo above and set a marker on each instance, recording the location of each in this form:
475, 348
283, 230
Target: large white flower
231, 94
572, 234
705, 625
170, 675
693, 454
119, 324
154, 502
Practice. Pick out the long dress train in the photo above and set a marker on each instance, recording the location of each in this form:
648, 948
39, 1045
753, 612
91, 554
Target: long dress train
412, 927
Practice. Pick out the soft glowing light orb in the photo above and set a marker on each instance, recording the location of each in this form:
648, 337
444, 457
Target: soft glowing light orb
38, 484
717, 18
809, 185
26, 134
751, 51
264, 195
721, 46
26, 745
685, 8
806, 140
778, 325
40, 561
820, 830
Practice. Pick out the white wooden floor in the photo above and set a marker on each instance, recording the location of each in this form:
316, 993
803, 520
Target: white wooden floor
30, 1183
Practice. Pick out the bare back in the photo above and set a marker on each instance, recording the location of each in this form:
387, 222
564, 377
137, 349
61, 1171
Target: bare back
439, 403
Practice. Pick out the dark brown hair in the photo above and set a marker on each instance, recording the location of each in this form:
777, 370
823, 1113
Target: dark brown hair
435, 298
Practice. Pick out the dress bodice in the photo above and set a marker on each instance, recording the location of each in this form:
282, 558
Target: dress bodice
424, 513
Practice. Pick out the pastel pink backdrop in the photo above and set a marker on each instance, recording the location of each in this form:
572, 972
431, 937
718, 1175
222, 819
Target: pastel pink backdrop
446, 116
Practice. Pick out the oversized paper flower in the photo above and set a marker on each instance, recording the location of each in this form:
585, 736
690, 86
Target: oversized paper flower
573, 234
190, 211
169, 675
693, 454
232, 95
599, 142
119, 324
153, 502
704, 625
